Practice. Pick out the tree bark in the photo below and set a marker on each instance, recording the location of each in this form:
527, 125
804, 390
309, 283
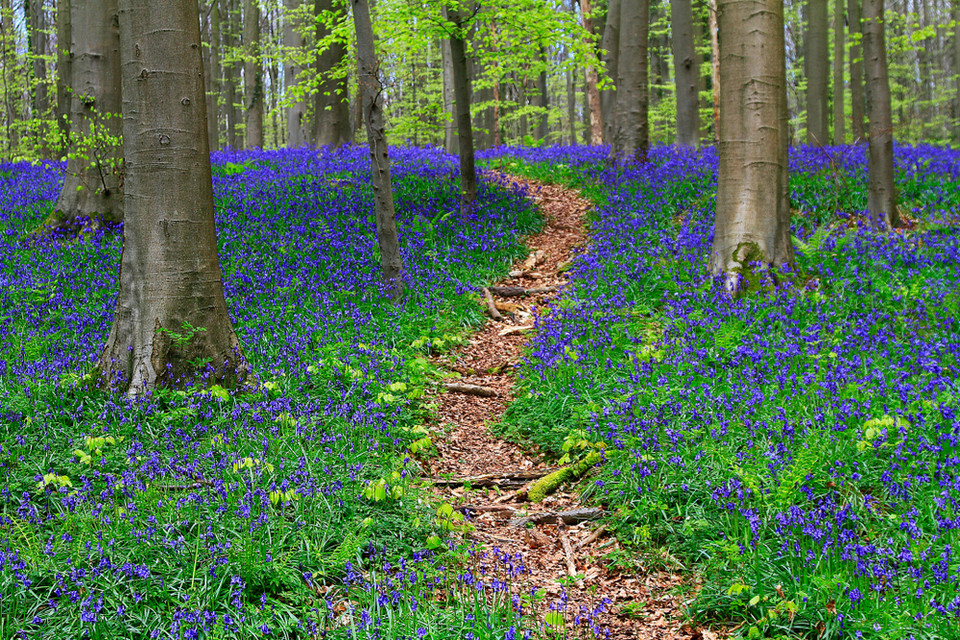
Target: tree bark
686, 73
632, 138
450, 143
332, 100
817, 64
461, 91
252, 75
371, 95
882, 194
857, 102
293, 42
171, 326
92, 186
593, 94
610, 58
753, 221
839, 135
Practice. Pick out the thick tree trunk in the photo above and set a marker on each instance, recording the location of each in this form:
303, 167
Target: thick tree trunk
632, 138
332, 100
610, 58
686, 65
213, 101
839, 136
714, 66
753, 221
857, 102
92, 186
816, 63
882, 193
372, 104
231, 72
450, 143
593, 94
252, 75
293, 41
461, 94
171, 326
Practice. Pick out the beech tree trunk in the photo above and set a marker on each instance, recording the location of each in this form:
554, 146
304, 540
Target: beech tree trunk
610, 58
882, 194
753, 219
293, 41
857, 102
839, 136
372, 106
816, 64
593, 94
171, 326
450, 143
332, 100
632, 138
92, 186
686, 73
252, 75
461, 94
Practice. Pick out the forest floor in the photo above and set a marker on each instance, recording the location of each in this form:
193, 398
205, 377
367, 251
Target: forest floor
487, 477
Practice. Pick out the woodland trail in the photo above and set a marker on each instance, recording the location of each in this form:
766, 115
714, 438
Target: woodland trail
641, 603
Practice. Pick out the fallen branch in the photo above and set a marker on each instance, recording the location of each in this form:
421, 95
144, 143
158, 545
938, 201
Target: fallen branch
593, 536
571, 517
470, 389
491, 305
501, 479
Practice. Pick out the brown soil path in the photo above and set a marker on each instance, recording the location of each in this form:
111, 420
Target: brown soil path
643, 604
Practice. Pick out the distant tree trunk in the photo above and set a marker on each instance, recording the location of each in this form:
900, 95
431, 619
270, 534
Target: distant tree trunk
686, 73
461, 91
293, 41
231, 72
752, 223
817, 64
593, 94
714, 66
857, 129
252, 75
882, 194
332, 100
449, 101
543, 99
632, 138
839, 136
171, 313
610, 58
372, 104
92, 186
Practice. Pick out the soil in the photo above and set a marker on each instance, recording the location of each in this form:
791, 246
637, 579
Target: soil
642, 603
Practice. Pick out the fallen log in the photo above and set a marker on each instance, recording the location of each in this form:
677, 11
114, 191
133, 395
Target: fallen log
470, 389
571, 517
501, 479
491, 305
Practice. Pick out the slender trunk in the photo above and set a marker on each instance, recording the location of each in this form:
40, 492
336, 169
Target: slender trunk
882, 194
610, 58
752, 222
461, 92
839, 136
542, 99
593, 94
171, 313
714, 66
449, 102
816, 64
332, 100
632, 138
252, 75
857, 129
293, 42
371, 95
686, 72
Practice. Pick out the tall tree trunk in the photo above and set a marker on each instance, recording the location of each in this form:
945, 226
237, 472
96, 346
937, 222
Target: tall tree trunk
252, 75
293, 41
610, 58
882, 193
839, 136
450, 143
686, 72
752, 223
461, 94
542, 99
332, 100
714, 66
857, 102
816, 62
632, 138
92, 186
171, 313
593, 95
371, 94
231, 72
213, 101
64, 68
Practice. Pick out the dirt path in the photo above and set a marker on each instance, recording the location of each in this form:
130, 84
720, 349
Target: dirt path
630, 603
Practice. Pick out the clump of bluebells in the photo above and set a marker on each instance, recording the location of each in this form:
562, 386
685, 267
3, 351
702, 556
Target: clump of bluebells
199, 513
799, 441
